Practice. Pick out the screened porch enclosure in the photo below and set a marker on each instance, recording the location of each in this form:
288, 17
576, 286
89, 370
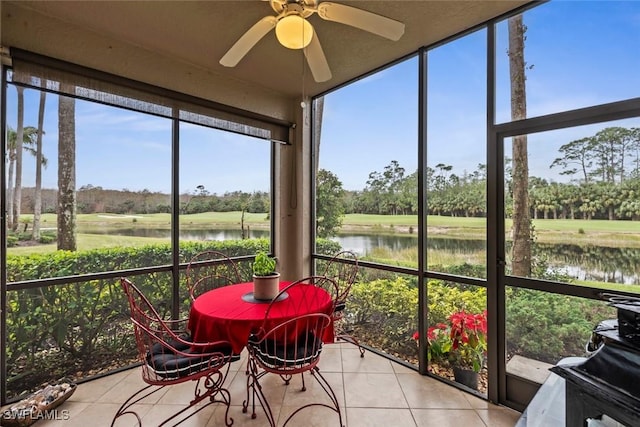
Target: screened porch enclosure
409, 158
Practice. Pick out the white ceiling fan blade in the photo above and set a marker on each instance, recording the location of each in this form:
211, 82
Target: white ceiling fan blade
317, 61
368, 21
248, 40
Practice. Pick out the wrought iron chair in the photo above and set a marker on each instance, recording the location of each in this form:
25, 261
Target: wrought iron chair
344, 274
208, 283
292, 346
169, 357
216, 266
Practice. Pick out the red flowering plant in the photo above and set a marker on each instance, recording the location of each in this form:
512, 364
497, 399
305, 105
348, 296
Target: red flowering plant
438, 343
468, 333
462, 341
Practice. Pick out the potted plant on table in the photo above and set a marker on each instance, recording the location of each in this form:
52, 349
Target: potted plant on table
266, 279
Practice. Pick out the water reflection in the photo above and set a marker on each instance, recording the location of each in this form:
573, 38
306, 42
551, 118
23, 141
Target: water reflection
363, 244
589, 262
597, 263
184, 234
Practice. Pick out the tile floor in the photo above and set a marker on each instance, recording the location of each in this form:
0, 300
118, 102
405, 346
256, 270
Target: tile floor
372, 391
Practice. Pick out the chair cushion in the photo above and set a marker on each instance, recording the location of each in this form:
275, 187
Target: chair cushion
168, 364
160, 348
308, 349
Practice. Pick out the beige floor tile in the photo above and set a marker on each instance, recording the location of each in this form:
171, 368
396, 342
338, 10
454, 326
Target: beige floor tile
379, 417
424, 392
273, 387
92, 391
499, 417
373, 390
241, 419
344, 345
239, 364
159, 413
477, 402
101, 414
313, 416
401, 369
64, 414
178, 394
352, 362
447, 418
295, 397
236, 384
129, 385
330, 359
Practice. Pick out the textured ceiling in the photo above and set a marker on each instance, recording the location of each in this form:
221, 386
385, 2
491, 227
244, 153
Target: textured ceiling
200, 32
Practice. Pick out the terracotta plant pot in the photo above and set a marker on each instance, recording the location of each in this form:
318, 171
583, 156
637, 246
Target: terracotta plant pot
467, 377
265, 288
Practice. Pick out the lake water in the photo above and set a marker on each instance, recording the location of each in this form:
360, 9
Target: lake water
588, 262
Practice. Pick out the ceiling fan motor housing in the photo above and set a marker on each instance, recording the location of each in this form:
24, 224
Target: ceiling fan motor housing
304, 8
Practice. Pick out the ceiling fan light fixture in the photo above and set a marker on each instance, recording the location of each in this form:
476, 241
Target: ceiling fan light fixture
294, 32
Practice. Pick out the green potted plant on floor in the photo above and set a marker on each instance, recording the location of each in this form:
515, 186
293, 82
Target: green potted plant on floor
266, 279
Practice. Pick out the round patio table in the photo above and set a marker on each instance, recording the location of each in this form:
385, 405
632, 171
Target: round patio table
231, 314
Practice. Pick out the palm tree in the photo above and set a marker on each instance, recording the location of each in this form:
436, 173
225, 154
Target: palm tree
17, 191
40, 162
66, 172
28, 138
521, 249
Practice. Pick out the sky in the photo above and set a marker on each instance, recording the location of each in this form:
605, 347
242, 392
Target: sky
583, 53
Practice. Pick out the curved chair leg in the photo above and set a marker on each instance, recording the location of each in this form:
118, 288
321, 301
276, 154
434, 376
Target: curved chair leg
286, 378
208, 387
335, 406
136, 397
254, 389
351, 339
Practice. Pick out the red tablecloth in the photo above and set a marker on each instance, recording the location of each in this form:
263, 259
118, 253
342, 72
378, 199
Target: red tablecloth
222, 314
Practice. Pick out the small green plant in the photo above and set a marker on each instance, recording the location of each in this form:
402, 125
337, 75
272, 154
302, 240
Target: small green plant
264, 265
580, 230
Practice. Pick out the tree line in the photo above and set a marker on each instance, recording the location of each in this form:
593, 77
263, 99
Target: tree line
605, 184
96, 199
605, 171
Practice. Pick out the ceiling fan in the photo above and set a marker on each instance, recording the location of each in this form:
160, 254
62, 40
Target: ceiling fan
295, 32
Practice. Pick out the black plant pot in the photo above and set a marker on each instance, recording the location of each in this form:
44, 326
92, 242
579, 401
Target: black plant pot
467, 377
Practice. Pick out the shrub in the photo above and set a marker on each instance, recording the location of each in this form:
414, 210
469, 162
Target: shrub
384, 313
549, 327
12, 241
446, 299
47, 238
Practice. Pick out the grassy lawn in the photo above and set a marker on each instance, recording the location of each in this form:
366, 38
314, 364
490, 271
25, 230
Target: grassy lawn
565, 225
88, 242
601, 232
352, 220
604, 233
